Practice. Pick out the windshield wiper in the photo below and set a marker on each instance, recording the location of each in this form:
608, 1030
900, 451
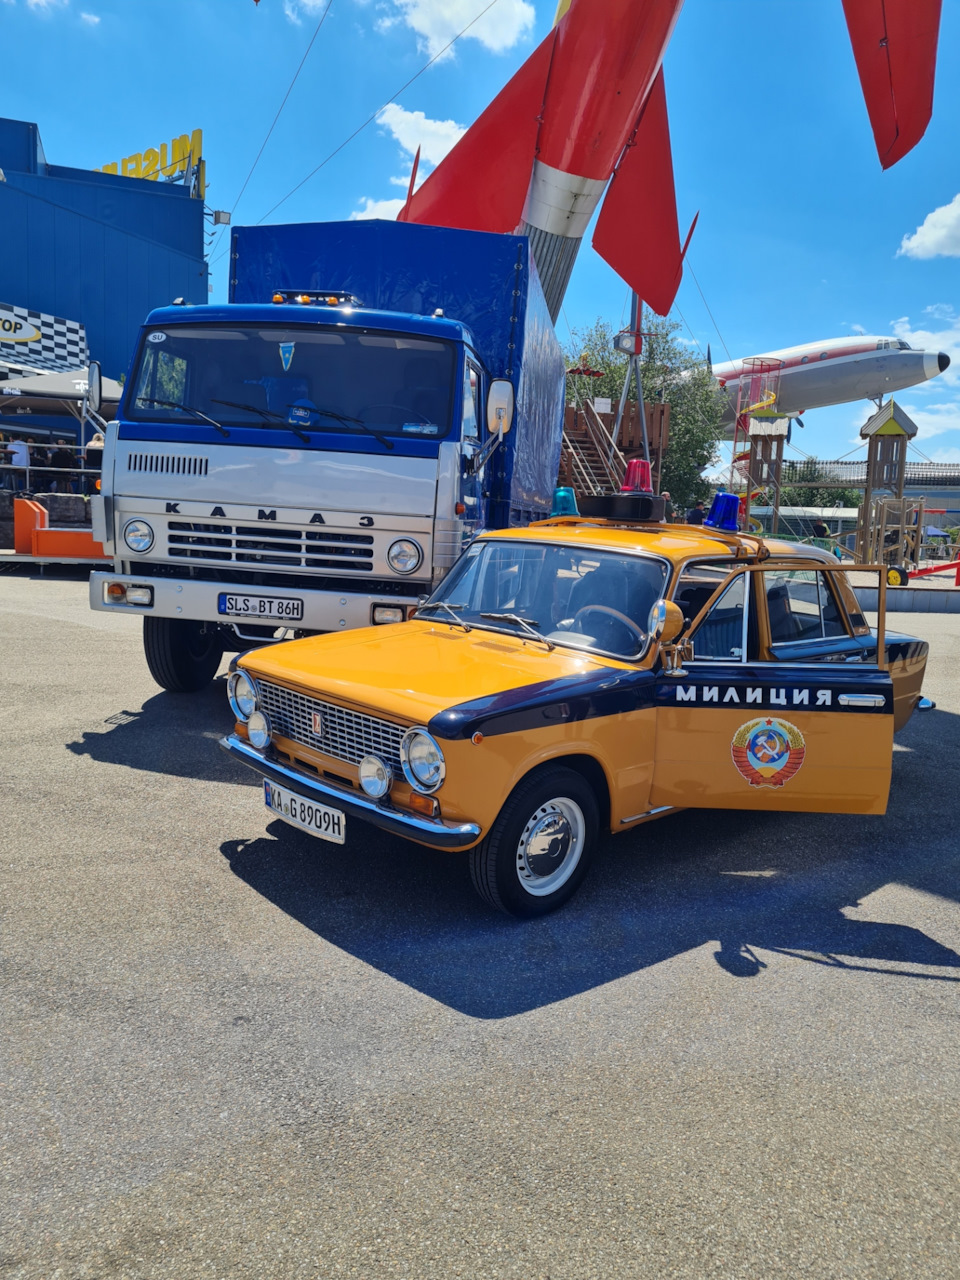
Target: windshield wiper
267, 415
343, 417
450, 608
529, 625
187, 408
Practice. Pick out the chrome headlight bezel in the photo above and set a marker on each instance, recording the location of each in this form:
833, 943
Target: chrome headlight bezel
407, 746
147, 536
376, 777
259, 730
406, 546
236, 697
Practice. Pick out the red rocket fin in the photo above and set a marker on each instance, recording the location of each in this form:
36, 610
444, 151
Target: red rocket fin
482, 184
637, 232
895, 46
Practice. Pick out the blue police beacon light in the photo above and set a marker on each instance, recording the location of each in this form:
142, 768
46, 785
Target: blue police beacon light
564, 503
723, 512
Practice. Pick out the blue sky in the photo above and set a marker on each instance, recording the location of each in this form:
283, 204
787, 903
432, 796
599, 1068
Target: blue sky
800, 231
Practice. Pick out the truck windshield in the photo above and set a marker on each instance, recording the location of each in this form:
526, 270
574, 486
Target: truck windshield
307, 379
576, 597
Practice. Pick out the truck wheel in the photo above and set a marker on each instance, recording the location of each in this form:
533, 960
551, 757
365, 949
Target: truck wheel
182, 657
541, 845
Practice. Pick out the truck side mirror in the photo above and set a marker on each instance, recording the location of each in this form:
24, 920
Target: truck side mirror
94, 387
500, 401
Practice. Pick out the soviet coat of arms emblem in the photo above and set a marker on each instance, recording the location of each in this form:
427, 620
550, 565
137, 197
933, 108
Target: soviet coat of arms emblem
768, 752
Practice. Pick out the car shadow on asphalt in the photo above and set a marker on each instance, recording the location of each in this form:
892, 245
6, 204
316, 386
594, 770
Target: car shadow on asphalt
740, 882
172, 733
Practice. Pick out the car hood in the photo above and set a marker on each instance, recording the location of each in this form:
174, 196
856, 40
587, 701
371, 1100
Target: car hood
413, 670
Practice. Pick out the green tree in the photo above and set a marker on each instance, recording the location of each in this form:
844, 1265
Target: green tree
667, 372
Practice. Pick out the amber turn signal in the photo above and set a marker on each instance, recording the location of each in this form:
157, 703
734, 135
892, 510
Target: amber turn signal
424, 804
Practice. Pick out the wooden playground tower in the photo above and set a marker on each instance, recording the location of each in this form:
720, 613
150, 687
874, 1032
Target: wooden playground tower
759, 434
890, 528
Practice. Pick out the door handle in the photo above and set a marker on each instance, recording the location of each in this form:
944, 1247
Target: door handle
862, 700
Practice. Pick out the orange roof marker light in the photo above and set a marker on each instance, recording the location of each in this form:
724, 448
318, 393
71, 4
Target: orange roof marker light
322, 297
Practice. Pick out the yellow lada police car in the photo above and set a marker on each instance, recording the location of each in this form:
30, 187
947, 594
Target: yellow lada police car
579, 676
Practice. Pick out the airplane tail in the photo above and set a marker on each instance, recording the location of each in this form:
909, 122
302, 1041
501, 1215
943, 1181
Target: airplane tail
895, 47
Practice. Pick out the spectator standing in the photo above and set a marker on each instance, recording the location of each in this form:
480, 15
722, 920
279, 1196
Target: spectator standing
696, 513
19, 457
820, 530
669, 512
62, 459
93, 460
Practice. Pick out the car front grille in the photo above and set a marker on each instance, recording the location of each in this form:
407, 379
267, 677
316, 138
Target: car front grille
345, 735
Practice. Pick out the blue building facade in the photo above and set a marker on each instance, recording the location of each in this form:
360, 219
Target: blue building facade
94, 247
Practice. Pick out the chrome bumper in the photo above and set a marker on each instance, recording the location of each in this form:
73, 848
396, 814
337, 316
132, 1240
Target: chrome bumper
432, 831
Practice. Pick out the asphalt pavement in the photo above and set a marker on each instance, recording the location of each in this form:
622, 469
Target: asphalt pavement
231, 1050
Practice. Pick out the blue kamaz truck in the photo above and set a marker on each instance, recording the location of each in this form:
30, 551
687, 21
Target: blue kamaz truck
314, 455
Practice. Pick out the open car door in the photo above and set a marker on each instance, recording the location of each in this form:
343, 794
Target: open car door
783, 706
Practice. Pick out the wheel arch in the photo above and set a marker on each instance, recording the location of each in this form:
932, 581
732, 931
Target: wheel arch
589, 768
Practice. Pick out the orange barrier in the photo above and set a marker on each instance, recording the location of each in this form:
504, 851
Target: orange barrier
937, 568
33, 536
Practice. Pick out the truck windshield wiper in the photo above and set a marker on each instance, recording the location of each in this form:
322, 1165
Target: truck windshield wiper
529, 625
343, 417
267, 415
450, 608
187, 408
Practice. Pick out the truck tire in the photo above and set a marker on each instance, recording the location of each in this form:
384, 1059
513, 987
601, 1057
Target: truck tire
182, 657
541, 845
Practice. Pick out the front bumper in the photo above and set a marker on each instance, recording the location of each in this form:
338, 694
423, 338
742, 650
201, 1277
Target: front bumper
430, 831
198, 600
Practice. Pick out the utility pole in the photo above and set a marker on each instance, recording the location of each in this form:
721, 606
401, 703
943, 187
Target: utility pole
631, 343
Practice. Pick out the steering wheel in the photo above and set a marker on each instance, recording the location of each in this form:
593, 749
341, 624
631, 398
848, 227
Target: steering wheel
613, 613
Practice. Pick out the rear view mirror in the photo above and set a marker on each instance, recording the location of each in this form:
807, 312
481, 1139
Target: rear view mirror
94, 393
500, 401
666, 621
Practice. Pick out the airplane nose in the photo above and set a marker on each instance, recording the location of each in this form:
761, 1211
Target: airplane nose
934, 363
943, 360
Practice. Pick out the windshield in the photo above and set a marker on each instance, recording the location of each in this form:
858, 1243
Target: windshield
576, 597
306, 379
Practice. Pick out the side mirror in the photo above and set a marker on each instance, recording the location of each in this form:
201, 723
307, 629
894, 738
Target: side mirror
94, 387
666, 621
500, 402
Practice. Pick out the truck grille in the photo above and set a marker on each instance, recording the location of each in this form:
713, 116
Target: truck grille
252, 544
345, 735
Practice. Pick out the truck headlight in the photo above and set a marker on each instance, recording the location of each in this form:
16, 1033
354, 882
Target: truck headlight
423, 764
242, 693
404, 555
138, 535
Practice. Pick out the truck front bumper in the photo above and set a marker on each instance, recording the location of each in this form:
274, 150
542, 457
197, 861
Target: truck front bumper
198, 600
430, 831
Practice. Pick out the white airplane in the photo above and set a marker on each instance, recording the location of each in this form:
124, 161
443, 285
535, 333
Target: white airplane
817, 374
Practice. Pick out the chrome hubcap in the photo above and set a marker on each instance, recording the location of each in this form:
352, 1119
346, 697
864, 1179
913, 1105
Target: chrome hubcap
550, 846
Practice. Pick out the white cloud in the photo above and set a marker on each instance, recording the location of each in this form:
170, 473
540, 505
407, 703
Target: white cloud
436, 22
294, 8
857, 328
935, 339
413, 129
91, 19
377, 209
935, 419
940, 311
951, 455
938, 236
45, 6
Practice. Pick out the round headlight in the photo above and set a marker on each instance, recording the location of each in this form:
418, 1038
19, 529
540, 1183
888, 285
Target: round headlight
376, 777
423, 763
242, 693
259, 730
138, 535
404, 555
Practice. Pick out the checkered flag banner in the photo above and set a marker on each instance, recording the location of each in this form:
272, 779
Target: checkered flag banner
38, 341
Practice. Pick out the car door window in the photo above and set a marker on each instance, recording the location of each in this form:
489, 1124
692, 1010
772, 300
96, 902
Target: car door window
471, 390
720, 637
806, 618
